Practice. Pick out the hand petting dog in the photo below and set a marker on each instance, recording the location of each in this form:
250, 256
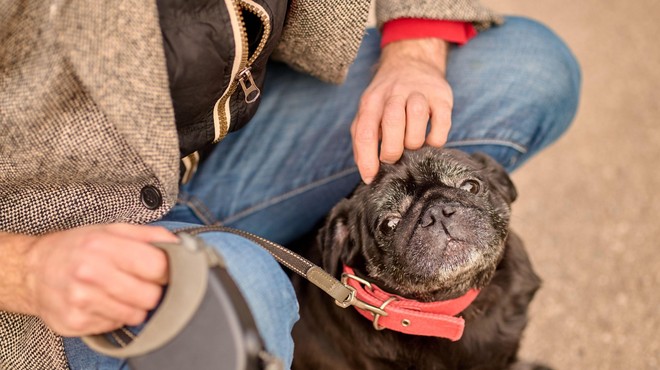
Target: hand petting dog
408, 90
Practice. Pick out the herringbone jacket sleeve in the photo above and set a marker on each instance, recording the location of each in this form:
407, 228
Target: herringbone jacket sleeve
457, 10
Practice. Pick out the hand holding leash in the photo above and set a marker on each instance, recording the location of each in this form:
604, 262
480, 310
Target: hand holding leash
203, 321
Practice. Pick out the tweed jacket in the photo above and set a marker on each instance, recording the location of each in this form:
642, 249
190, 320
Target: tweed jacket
87, 132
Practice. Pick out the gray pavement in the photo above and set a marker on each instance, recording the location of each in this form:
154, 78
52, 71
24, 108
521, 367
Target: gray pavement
589, 206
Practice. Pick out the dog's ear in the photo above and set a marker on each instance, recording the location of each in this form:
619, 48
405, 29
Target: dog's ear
337, 244
497, 176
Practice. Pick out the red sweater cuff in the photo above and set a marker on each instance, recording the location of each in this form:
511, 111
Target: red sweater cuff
418, 28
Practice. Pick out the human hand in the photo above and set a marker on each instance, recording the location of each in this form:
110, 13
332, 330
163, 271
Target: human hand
96, 278
408, 89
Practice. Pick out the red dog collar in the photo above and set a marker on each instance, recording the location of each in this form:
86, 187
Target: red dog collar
437, 319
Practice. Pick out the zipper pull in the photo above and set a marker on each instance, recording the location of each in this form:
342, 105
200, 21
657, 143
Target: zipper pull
250, 89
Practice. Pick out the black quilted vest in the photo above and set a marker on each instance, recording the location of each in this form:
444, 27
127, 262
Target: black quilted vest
216, 53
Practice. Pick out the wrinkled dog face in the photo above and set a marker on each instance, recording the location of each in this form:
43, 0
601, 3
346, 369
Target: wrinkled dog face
430, 227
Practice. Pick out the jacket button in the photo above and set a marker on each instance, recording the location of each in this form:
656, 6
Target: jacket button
150, 197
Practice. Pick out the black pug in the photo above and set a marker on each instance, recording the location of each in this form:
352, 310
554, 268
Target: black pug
430, 231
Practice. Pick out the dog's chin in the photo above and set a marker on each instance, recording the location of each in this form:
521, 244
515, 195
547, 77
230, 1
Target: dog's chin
449, 272
443, 286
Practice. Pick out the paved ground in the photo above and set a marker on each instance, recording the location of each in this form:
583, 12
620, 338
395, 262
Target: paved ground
589, 207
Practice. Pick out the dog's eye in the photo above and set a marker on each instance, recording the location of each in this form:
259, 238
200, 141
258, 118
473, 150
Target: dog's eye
388, 224
470, 185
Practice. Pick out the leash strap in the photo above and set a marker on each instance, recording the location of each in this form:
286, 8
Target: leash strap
343, 294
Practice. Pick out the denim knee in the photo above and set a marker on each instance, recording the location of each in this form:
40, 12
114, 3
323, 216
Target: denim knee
515, 86
553, 76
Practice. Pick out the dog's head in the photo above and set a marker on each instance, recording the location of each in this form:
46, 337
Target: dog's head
429, 227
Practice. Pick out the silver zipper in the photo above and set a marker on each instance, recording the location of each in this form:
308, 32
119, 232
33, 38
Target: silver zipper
249, 89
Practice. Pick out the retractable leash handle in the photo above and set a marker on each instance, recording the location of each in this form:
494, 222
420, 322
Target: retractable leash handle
203, 322
189, 268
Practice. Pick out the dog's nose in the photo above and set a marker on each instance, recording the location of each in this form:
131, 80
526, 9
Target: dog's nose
436, 213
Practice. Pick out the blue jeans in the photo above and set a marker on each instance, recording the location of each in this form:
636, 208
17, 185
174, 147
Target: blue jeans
515, 91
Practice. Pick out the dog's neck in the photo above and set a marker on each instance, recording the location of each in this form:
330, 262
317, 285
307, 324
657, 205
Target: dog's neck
389, 311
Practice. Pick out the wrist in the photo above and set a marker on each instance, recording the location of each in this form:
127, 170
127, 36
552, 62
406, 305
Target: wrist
16, 290
430, 51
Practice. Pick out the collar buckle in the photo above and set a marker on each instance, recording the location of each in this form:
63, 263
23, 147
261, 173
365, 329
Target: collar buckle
382, 307
353, 300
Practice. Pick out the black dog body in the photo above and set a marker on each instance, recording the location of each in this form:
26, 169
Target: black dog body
428, 228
